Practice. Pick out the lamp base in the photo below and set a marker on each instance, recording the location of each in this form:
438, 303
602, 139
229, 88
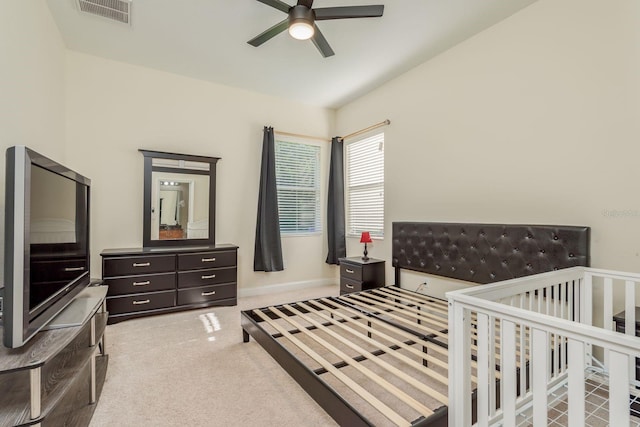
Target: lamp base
365, 257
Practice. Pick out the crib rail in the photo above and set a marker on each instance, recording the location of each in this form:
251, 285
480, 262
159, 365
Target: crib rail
539, 335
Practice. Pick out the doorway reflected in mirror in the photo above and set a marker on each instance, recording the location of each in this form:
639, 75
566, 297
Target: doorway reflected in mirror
179, 198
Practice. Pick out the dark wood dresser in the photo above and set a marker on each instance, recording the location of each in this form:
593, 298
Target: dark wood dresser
153, 281
358, 275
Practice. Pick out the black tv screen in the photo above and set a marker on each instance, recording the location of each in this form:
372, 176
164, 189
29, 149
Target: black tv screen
46, 241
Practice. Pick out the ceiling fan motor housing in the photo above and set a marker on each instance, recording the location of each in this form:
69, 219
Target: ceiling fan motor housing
301, 13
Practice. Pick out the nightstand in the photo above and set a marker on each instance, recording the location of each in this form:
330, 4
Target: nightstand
358, 275
619, 319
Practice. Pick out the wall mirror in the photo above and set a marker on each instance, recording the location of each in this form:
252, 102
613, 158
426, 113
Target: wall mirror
179, 199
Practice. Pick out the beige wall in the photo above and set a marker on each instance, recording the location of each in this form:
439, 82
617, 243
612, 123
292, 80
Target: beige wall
113, 109
32, 77
535, 120
532, 121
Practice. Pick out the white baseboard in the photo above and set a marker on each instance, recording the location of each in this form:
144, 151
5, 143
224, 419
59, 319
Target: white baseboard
283, 287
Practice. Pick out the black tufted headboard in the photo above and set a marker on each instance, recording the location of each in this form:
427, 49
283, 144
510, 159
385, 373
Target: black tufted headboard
486, 253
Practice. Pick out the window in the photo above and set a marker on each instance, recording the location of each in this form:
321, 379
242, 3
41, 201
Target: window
365, 186
298, 182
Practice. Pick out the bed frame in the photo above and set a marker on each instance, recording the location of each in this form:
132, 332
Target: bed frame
385, 350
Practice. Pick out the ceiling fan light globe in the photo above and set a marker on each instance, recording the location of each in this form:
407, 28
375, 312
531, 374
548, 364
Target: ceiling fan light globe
301, 30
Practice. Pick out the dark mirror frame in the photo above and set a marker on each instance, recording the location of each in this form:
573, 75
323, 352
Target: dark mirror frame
149, 155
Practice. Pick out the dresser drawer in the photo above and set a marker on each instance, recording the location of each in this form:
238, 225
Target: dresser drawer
347, 286
206, 294
351, 271
141, 302
127, 266
207, 260
142, 283
212, 276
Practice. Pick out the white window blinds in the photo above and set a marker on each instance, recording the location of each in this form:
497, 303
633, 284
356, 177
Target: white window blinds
298, 182
365, 186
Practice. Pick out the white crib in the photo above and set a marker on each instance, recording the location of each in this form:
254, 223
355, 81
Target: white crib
543, 350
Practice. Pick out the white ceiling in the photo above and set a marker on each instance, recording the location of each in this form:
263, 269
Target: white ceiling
207, 39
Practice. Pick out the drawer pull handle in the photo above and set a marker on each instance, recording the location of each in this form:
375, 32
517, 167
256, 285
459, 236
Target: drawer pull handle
141, 264
348, 286
146, 301
211, 276
146, 282
206, 294
349, 271
208, 259
74, 269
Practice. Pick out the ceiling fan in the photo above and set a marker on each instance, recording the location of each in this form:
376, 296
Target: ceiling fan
301, 21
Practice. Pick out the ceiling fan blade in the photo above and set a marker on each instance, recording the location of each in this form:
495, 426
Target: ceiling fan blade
345, 12
270, 33
321, 43
277, 4
307, 3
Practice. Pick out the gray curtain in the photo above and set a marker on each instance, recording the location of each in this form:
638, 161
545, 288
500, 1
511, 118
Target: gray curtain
268, 249
335, 204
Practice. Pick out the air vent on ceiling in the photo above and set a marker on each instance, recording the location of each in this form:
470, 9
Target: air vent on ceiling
116, 10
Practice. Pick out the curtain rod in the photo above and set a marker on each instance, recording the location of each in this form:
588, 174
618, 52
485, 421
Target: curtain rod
299, 135
361, 131
319, 138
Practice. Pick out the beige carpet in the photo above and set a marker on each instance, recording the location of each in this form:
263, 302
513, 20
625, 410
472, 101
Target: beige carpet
192, 369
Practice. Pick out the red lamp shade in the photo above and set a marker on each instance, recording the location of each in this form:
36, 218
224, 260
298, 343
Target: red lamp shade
365, 238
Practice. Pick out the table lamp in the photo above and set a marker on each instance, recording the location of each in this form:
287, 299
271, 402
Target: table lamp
365, 238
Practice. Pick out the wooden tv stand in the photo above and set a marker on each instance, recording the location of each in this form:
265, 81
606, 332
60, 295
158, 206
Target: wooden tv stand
56, 378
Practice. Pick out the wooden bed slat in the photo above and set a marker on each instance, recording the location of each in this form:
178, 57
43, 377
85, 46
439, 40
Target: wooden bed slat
379, 333
438, 320
371, 399
390, 388
376, 359
414, 325
431, 346
416, 365
434, 304
393, 292
433, 300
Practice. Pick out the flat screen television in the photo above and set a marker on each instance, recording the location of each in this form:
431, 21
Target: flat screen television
46, 258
